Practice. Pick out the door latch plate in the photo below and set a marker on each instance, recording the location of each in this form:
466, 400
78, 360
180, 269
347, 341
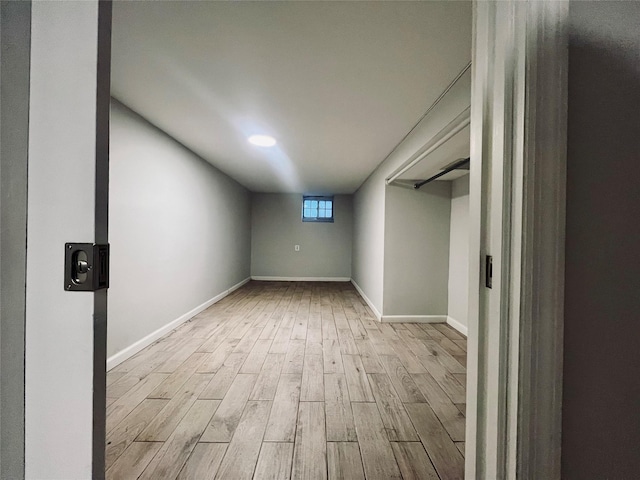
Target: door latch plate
488, 271
86, 267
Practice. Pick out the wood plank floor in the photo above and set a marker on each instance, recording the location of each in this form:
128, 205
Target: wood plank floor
287, 380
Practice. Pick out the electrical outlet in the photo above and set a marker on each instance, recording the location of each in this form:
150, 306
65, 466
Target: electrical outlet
297, 248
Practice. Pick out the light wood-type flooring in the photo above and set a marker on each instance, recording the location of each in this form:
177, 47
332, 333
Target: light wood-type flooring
290, 380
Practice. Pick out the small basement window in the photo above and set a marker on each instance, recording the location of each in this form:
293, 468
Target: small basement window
317, 209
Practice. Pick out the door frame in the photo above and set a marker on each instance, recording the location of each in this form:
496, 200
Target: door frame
101, 235
517, 214
521, 436
15, 56
62, 96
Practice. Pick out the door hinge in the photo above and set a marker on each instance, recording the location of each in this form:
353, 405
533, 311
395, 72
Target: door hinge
86, 267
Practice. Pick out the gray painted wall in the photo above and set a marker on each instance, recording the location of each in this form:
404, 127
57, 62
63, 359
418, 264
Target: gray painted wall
369, 247
325, 248
15, 43
416, 261
180, 230
601, 391
368, 239
459, 251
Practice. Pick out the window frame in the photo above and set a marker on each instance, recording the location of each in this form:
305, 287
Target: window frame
317, 219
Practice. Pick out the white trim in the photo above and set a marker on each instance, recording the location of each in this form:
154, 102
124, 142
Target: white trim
538, 277
443, 136
299, 279
414, 319
457, 325
116, 359
517, 191
233, 289
373, 308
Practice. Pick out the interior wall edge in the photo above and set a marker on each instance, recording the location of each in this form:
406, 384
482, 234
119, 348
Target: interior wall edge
128, 352
457, 325
458, 284
375, 310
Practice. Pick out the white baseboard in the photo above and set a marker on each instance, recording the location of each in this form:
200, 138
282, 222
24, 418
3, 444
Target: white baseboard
233, 289
373, 308
299, 279
457, 325
131, 350
414, 319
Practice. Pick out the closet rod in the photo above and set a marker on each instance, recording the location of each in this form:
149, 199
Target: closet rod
455, 166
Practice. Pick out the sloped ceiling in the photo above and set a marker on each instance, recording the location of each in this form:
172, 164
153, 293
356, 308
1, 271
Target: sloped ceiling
338, 84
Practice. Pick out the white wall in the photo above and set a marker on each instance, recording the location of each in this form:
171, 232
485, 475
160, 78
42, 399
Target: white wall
416, 265
325, 248
369, 247
459, 251
180, 230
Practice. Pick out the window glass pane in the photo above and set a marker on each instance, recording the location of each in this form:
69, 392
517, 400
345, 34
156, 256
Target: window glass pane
317, 208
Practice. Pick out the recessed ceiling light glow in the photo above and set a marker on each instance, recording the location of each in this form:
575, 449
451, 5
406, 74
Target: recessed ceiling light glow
262, 140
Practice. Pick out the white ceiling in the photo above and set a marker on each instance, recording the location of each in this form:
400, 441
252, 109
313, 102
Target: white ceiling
338, 84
